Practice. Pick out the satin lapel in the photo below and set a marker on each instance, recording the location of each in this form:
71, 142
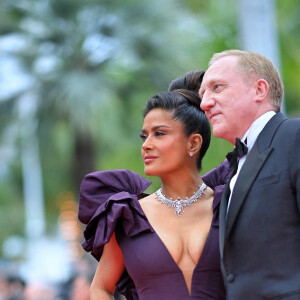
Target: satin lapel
247, 175
222, 217
253, 164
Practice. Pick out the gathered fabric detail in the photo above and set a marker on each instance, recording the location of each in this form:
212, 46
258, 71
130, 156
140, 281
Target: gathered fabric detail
109, 199
216, 179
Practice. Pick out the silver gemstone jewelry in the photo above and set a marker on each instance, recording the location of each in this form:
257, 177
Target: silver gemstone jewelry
180, 203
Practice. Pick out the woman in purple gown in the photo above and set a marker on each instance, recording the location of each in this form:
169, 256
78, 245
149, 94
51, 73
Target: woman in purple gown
166, 241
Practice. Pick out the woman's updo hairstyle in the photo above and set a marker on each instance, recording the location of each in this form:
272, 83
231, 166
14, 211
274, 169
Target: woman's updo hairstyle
182, 99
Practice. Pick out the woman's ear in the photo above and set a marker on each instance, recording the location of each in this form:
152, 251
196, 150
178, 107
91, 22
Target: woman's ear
195, 143
262, 89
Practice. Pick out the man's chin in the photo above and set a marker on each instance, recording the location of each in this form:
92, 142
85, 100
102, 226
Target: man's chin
221, 134
217, 131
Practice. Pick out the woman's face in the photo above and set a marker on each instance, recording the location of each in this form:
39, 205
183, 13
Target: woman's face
165, 146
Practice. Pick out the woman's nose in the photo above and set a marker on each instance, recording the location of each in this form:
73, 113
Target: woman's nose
147, 144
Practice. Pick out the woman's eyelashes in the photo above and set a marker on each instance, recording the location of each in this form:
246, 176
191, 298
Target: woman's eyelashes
143, 137
158, 133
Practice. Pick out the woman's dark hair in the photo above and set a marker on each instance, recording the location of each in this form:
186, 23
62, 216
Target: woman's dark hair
182, 99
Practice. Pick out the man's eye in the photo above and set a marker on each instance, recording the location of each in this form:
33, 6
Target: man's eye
217, 87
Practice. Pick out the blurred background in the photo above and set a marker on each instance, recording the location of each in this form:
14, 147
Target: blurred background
74, 78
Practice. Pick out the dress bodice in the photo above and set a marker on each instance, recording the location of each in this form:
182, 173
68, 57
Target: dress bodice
108, 203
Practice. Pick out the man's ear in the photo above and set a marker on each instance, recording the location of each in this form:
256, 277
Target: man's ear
262, 89
195, 143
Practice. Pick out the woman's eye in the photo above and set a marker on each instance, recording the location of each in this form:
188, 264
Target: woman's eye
143, 137
159, 133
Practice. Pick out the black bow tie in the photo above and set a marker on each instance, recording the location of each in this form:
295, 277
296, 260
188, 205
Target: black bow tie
239, 151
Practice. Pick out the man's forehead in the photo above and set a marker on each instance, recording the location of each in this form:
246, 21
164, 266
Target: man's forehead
223, 62
219, 69
212, 74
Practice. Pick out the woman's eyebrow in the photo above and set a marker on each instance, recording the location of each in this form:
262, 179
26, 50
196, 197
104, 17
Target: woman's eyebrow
156, 127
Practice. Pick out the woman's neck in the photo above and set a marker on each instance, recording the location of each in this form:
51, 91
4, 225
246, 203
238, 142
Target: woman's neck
181, 186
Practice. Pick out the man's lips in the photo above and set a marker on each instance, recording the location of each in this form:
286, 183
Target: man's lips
149, 158
212, 116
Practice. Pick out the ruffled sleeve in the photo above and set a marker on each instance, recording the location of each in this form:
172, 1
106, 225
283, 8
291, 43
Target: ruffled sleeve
217, 176
108, 198
216, 179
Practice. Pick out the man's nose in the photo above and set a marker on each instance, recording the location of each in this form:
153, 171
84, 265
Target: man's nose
206, 102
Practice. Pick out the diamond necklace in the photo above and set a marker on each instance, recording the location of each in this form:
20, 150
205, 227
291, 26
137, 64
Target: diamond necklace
180, 203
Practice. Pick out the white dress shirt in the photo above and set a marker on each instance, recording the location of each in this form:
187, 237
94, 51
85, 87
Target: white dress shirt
251, 136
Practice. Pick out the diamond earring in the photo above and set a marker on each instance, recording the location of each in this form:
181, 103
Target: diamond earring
191, 154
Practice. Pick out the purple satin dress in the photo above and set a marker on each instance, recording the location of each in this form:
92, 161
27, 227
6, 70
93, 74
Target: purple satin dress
108, 203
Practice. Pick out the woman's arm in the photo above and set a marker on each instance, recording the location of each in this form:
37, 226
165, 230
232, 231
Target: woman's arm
109, 270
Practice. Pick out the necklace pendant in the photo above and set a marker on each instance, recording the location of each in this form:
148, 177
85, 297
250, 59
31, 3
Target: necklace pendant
179, 203
178, 207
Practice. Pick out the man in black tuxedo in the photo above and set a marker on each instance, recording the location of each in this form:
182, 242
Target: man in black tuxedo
260, 209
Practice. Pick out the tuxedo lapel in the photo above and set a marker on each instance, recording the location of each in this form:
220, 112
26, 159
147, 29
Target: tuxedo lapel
247, 175
250, 170
222, 216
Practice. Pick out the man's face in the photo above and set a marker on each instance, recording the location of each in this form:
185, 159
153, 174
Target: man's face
228, 99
